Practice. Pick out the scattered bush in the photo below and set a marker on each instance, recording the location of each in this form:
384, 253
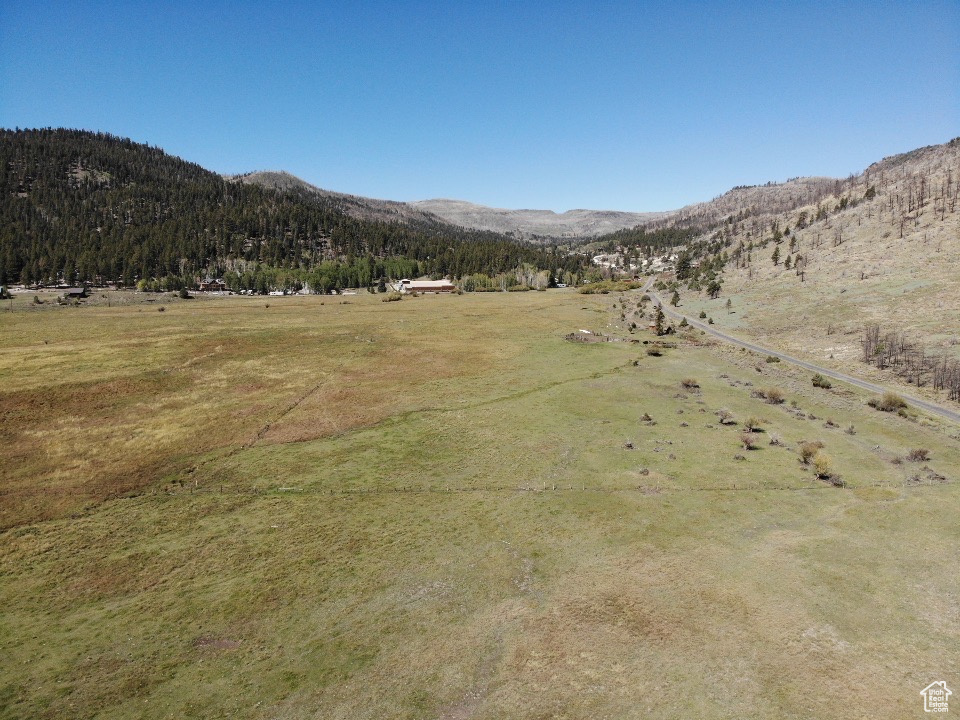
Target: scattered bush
753, 424
392, 297
774, 396
726, 417
710, 321
654, 351
684, 323
748, 441
808, 450
889, 402
821, 382
161, 309
703, 314
775, 439
772, 359
689, 384
822, 466
851, 430
37, 300
918, 455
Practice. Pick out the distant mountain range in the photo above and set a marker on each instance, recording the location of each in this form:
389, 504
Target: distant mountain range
527, 225
533, 224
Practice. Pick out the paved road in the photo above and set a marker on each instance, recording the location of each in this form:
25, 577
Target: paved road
916, 402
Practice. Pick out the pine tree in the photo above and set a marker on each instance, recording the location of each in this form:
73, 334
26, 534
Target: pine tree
658, 321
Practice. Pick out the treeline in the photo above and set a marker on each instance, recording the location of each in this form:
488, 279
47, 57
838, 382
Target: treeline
894, 350
77, 206
650, 242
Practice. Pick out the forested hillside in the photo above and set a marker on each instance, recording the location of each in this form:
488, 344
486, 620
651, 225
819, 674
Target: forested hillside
77, 206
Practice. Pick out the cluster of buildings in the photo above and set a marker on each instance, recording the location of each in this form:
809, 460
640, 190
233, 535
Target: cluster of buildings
615, 261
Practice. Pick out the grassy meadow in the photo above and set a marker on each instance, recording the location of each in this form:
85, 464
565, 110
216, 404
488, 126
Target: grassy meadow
440, 508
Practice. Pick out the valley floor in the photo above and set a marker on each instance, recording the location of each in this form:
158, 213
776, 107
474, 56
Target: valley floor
439, 508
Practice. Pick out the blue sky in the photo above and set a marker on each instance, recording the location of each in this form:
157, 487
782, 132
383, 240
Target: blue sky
559, 105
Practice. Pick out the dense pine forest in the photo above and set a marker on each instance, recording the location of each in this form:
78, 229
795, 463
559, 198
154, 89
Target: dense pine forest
78, 206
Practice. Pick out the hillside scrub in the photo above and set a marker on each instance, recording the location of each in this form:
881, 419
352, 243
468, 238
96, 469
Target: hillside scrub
888, 402
607, 286
821, 382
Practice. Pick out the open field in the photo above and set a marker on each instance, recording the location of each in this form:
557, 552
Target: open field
439, 508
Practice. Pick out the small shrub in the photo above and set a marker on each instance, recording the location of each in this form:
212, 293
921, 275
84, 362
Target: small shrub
689, 384
703, 314
161, 309
726, 417
37, 300
710, 321
774, 396
822, 466
775, 440
851, 430
889, 402
748, 441
392, 297
808, 450
684, 323
918, 455
772, 359
654, 351
821, 382
753, 424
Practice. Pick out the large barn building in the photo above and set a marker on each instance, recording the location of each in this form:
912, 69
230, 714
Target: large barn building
426, 286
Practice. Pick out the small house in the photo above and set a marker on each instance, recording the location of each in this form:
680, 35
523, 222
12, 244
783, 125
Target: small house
76, 293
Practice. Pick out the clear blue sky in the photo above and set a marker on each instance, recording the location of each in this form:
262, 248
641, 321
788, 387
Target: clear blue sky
632, 106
